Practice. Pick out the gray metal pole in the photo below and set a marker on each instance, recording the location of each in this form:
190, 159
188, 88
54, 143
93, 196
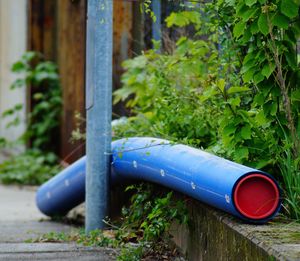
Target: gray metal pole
98, 106
156, 26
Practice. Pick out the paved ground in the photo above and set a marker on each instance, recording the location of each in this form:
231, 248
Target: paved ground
20, 220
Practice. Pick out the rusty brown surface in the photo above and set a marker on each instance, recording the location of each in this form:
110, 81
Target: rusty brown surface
71, 31
42, 27
122, 49
57, 29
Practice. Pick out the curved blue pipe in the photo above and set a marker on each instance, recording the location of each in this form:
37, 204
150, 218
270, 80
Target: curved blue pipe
193, 172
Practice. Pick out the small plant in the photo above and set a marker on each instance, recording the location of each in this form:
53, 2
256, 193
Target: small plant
143, 230
30, 168
39, 163
43, 80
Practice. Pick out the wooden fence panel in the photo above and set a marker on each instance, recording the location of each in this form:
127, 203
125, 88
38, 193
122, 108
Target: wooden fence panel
71, 34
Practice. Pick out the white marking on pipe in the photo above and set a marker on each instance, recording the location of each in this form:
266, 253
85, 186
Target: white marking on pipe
67, 183
193, 185
134, 164
162, 172
227, 198
48, 195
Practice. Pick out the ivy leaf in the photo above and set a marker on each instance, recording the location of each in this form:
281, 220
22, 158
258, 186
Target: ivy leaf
239, 29
229, 130
250, 2
296, 95
262, 163
289, 8
184, 18
241, 153
248, 75
291, 59
274, 108
249, 56
221, 85
263, 24
259, 99
248, 65
234, 102
246, 37
281, 21
246, 132
254, 27
232, 90
258, 78
260, 118
19, 67
249, 14
268, 69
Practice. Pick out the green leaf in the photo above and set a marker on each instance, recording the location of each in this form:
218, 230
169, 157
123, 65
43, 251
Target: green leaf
268, 69
184, 18
254, 27
259, 99
232, 90
249, 14
249, 56
274, 108
221, 84
239, 29
280, 21
260, 118
235, 101
19, 66
296, 95
229, 130
248, 65
258, 78
289, 8
241, 153
263, 24
291, 58
262, 163
247, 36
250, 2
246, 132
248, 75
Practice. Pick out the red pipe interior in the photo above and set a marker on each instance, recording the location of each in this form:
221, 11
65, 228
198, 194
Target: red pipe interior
256, 196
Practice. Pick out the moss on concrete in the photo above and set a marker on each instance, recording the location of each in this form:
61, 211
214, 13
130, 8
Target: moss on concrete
214, 235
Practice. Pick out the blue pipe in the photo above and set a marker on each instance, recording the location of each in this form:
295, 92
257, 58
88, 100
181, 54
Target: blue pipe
247, 193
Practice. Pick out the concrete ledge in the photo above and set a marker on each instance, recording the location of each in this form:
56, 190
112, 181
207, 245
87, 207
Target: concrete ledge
215, 235
54, 251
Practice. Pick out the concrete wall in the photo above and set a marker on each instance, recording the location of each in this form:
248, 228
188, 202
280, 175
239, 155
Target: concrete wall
214, 235
13, 31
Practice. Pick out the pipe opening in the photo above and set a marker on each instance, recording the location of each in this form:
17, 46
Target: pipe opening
256, 196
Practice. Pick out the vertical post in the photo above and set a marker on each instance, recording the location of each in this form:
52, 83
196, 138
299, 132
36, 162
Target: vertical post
98, 106
156, 26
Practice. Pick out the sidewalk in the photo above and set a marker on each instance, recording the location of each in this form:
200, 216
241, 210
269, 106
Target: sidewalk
21, 220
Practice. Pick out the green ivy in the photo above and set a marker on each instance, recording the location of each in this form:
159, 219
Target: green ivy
268, 32
30, 168
42, 79
39, 163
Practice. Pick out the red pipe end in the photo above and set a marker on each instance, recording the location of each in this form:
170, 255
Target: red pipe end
256, 196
